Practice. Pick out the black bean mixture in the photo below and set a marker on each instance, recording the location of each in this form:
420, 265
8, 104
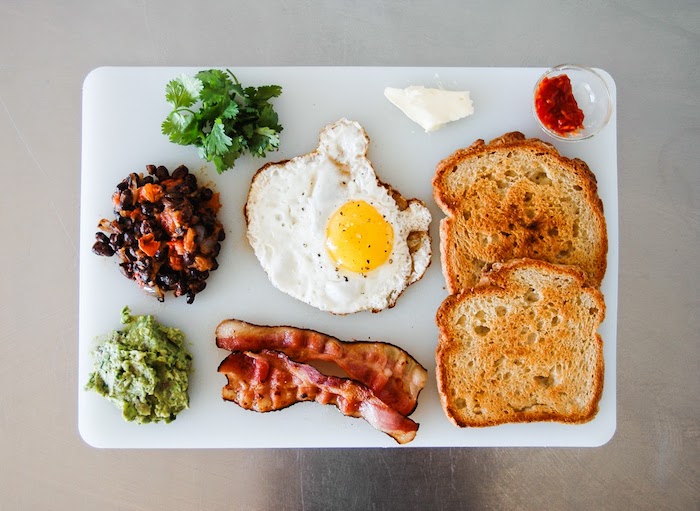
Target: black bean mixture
166, 232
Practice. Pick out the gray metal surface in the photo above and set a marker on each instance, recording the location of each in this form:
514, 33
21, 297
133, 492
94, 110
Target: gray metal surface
652, 49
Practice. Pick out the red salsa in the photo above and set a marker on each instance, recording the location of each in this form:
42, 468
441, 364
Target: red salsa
556, 106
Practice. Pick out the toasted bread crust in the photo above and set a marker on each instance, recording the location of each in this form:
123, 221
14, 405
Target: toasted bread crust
503, 357
514, 198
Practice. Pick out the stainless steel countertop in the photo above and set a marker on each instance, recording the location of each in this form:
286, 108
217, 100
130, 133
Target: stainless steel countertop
652, 49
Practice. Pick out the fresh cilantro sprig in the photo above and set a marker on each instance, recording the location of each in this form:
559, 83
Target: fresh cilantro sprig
223, 119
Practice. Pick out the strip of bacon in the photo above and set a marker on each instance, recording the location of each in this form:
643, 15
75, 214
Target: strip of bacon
269, 380
393, 375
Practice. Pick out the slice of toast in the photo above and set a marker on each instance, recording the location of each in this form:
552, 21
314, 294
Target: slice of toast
521, 346
513, 198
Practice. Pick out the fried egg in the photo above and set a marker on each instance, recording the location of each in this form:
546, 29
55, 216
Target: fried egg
329, 233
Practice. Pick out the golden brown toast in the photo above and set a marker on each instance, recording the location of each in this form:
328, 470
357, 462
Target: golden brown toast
521, 346
513, 198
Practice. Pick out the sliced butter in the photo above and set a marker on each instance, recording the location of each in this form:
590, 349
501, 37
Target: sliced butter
431, 108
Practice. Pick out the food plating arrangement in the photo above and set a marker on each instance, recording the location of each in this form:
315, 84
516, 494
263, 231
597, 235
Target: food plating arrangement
281, 263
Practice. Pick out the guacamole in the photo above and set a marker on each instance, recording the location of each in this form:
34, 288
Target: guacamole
143, 369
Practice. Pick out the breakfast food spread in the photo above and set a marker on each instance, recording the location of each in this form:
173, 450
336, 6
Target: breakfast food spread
143, 369
166, 232
431, 108
269, 380
329, 233
391, 373
523, 251
516, 197
521, 346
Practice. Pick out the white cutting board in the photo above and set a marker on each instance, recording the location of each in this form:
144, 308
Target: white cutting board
122, 112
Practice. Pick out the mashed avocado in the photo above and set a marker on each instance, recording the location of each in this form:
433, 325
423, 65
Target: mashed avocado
143, 369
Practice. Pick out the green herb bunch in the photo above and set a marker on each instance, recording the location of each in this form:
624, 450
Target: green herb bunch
214, 112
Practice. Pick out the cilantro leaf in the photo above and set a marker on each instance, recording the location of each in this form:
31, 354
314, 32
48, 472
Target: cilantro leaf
179, 118
263, 139
248, 130
266, 92
231, 110
180, 127
268, 117
223, 119
217, 142
273, 138
215, 85
183, 91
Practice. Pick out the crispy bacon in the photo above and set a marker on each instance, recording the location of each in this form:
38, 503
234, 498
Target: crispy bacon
393, 375
269, 380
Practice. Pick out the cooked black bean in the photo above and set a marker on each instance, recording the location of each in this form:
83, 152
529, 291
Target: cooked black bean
102, 249
129, 239
206, 194
174, 194
131, 254
126, 269
159, 234
126, 200
196, 274
180, 172
161, 255
116, 227
209, 223
162, 173
186, 214
197, 286
116, 241
200, 284
146, 208
168, 279
173, 200
184, 188
143, 265
125, 223
102, 237
191, 181
145, 227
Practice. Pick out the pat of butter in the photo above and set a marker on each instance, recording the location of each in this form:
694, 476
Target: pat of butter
431, 108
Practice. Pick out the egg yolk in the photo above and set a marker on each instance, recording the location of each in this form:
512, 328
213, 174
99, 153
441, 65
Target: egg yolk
358, 238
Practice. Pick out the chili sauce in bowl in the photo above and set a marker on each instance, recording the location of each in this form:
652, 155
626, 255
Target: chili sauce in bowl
571, 102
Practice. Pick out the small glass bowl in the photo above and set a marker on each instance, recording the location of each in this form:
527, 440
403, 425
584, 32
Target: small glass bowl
592, 96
